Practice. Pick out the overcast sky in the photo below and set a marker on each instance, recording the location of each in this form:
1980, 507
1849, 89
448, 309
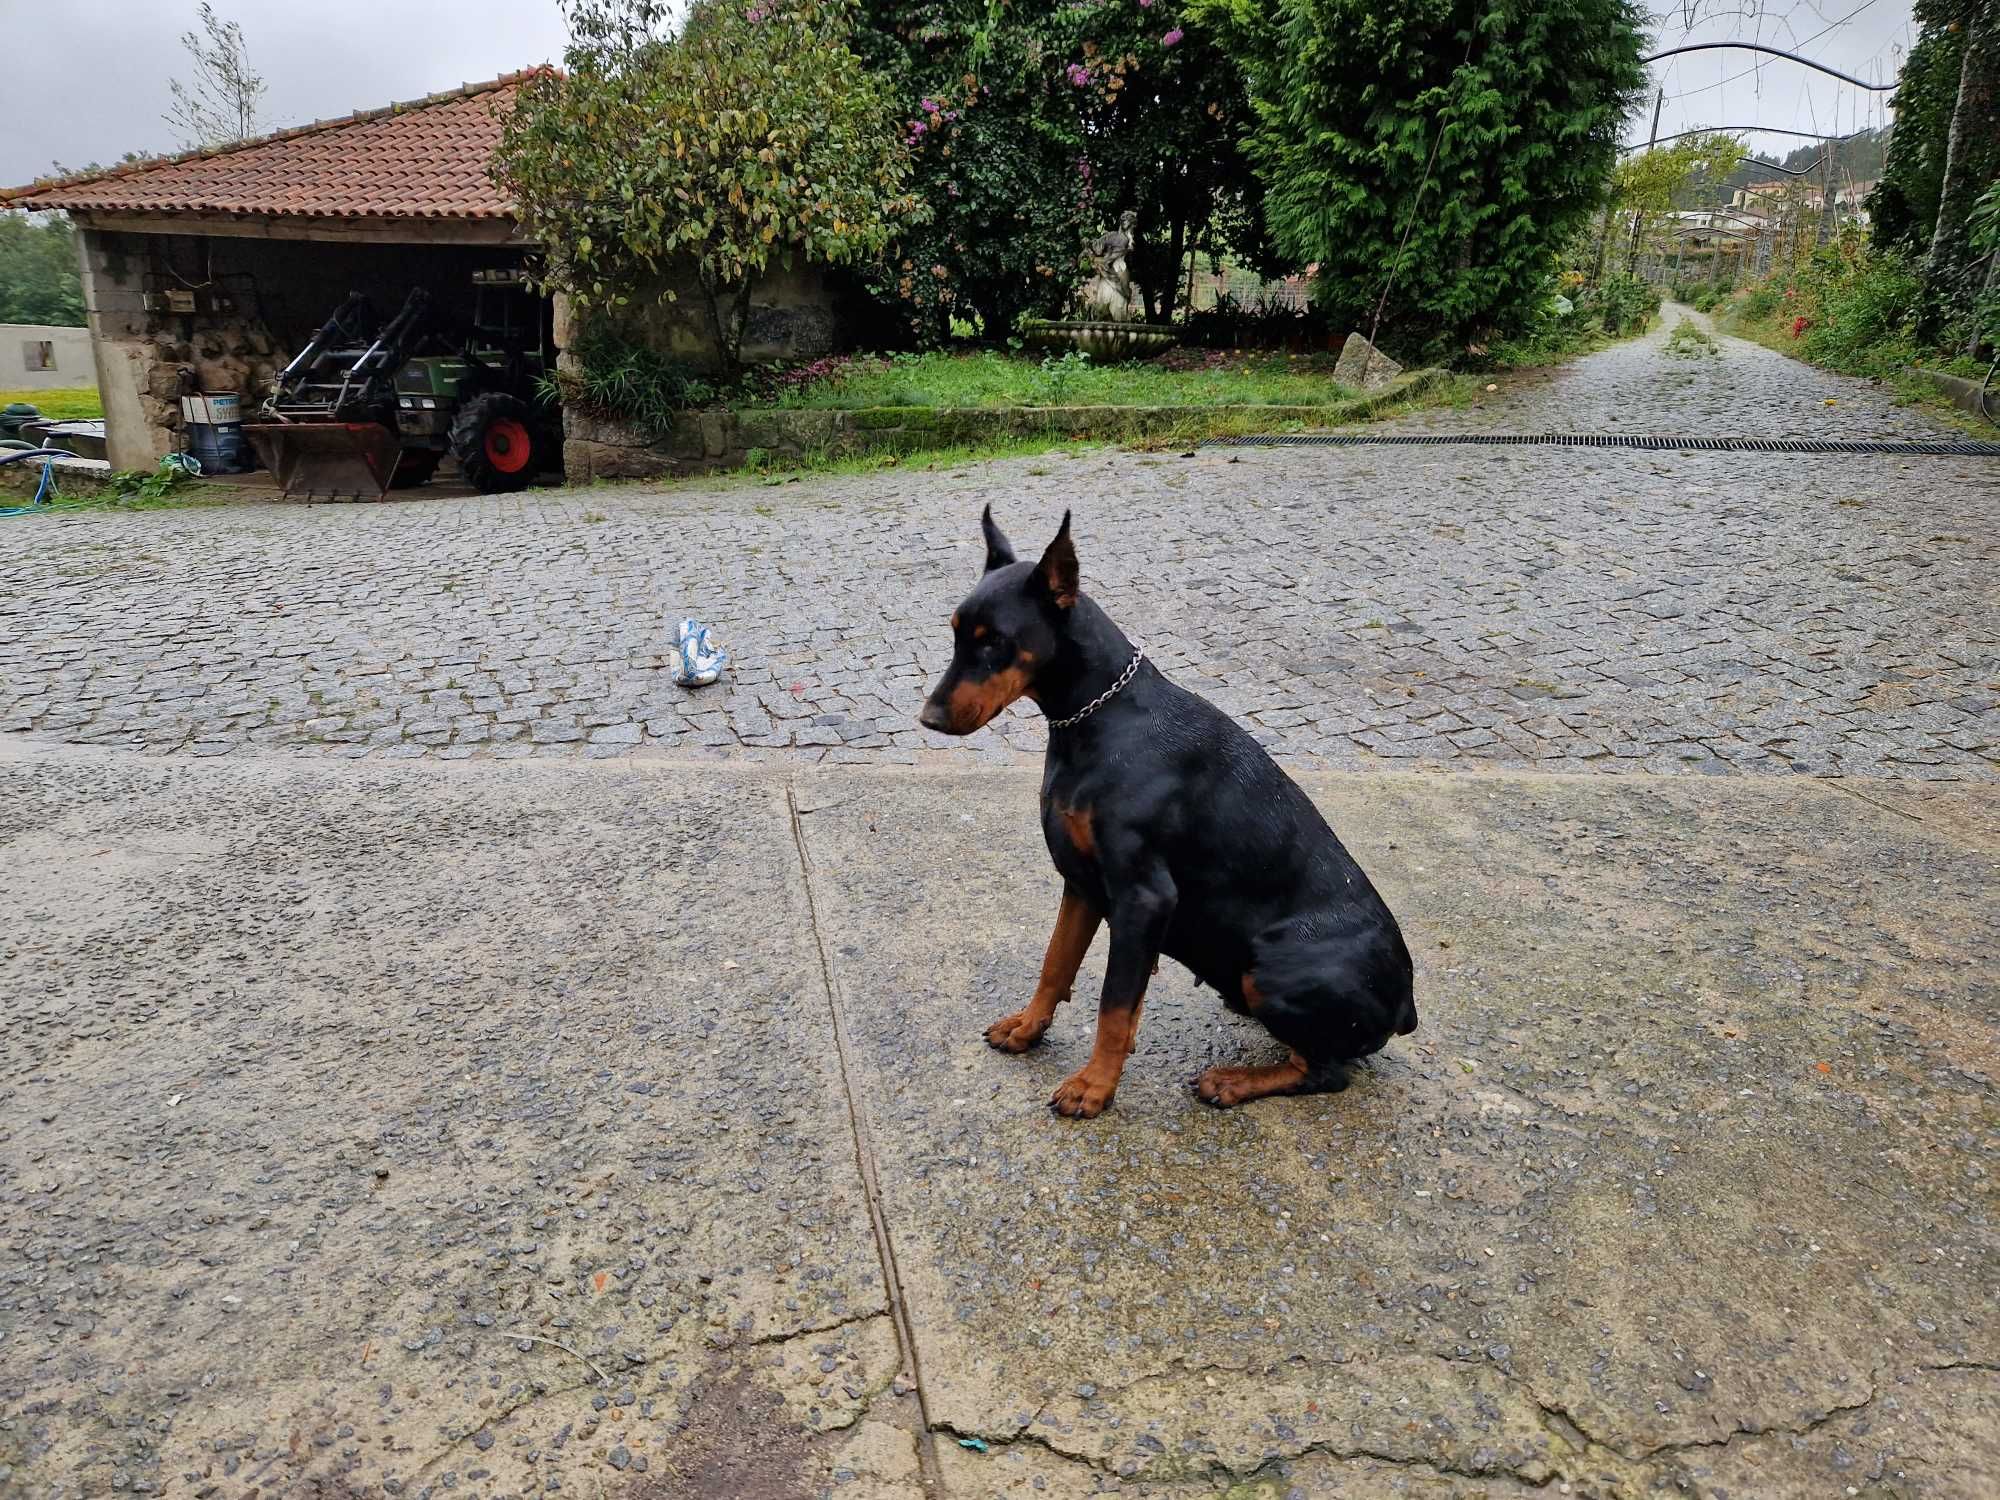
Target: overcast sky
94, 83
1867, 38
101, 84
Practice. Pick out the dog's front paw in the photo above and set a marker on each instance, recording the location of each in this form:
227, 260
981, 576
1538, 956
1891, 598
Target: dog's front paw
1083, 1095
1018, 1032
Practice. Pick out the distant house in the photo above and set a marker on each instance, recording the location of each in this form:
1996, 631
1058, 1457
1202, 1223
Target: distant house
1694, 218
44, 357
1759, 194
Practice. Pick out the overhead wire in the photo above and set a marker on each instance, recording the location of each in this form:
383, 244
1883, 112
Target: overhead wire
1756, 68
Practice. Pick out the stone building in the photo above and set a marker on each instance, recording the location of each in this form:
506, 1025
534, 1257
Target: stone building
214, 267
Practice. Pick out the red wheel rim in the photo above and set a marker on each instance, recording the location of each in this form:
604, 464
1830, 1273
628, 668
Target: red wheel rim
508, 446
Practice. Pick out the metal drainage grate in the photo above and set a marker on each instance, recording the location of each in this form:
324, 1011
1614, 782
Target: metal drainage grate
1958, 448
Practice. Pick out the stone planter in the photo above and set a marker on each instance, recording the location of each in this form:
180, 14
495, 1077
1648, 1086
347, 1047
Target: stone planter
1102, 341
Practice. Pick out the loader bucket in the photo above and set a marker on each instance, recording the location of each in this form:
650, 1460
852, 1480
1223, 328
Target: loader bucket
327, 460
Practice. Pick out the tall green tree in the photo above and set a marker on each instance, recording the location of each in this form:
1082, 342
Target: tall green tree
39, 278
752, 137
1158, 107
1649, 183
1437, 151
1971, 164
1903, 207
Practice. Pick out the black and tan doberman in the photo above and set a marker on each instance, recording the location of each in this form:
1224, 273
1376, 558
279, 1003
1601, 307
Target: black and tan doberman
1171, 823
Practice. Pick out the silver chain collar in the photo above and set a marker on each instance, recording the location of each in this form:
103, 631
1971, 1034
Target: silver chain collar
1102, 698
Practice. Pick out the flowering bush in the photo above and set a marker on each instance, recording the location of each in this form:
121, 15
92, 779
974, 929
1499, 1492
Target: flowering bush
1051, 117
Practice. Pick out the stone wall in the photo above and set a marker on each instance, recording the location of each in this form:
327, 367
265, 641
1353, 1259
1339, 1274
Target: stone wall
796, 315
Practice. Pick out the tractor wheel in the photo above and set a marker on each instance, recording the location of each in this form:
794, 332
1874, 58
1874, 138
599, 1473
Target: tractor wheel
497, 443
414, 466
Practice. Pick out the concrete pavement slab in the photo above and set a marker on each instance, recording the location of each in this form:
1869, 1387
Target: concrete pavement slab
1684, 1185
427, 1130
403, 1134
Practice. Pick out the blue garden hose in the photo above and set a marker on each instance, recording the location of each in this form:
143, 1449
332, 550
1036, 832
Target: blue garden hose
46, 490
43, 490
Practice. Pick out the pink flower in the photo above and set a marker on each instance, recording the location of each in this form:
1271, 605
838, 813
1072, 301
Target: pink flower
1145, 4
1079, 75
1172, 37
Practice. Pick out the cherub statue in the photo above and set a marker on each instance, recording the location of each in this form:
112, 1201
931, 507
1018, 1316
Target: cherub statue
1110, 295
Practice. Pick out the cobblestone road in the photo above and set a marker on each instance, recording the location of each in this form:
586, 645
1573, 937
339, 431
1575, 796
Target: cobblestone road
1617, 609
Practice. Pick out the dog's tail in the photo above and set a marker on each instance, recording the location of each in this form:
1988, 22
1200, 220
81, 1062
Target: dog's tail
1340, 994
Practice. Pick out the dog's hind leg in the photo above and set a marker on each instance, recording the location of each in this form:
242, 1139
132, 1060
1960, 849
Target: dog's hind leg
1076, 925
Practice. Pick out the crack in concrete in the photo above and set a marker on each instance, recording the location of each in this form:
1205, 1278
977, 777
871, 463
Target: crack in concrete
1490, 1471
1212, 1468
1776, 1430
1590, 1450
547, 1393
766, 1339
864, 1155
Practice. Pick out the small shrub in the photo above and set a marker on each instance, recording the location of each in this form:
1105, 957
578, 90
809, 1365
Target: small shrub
1058, 376
161, 482
1689, 342
1761, 301
630, 382
1625, 304
1867, 315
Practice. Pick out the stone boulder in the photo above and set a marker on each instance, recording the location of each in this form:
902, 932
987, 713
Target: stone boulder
1363, 366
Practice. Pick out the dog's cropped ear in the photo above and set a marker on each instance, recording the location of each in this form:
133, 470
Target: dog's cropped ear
999, 551
1058, 568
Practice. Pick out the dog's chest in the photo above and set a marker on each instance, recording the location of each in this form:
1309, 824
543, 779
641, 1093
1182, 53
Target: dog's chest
1069, 828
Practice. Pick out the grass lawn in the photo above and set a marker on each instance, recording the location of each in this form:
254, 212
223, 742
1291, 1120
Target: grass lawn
60, 406
1182, 377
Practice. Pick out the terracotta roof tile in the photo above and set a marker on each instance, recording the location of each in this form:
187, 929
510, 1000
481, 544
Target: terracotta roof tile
426, 159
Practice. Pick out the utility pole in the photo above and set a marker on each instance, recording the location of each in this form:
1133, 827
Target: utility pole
1828, 215
1639, 214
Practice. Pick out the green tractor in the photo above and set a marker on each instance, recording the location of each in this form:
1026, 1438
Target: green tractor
365, 409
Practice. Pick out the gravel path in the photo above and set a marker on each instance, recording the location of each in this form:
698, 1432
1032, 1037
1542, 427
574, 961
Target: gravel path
1745, 390
1618, 610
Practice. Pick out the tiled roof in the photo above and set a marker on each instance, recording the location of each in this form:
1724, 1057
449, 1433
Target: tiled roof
427, 159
